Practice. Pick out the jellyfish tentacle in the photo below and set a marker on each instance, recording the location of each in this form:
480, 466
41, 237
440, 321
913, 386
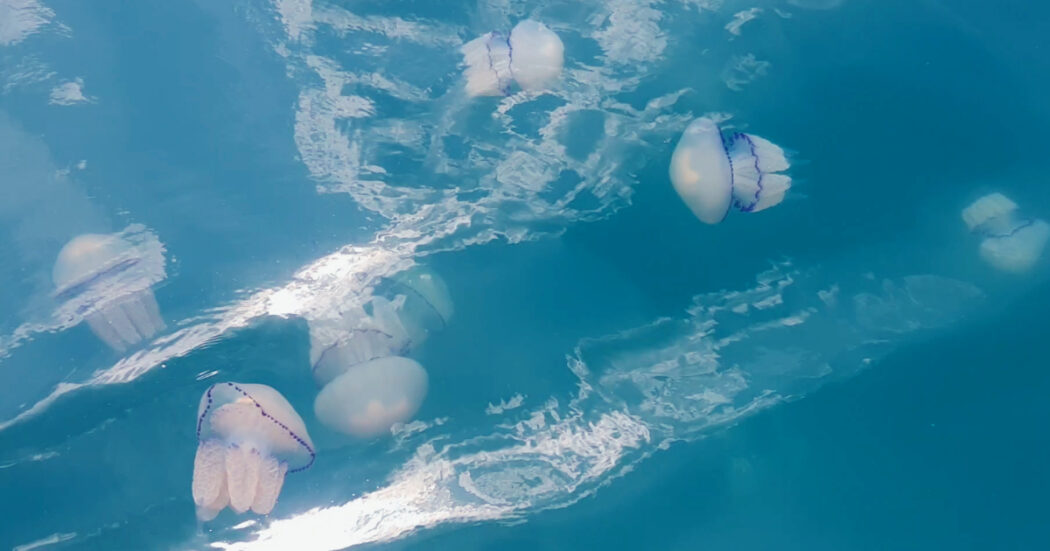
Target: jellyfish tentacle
756, 162
242, 475
271, 478
211, 510
209, 472
140, 318
102, 328
118, 319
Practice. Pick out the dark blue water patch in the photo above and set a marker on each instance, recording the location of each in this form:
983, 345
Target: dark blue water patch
520, 309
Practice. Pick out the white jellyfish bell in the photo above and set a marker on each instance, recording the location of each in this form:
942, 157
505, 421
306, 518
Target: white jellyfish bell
532, 55
1009, 242
712, 174
367, 399
249, 437
355, 337
106, 279
423, 303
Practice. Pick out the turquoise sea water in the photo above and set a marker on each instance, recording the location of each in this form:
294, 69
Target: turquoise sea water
841, 371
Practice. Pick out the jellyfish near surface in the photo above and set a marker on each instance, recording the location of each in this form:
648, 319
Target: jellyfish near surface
355, 336
249, 437
712, 174
1009, 242
423, 302
368, 398
532, 55
107, 279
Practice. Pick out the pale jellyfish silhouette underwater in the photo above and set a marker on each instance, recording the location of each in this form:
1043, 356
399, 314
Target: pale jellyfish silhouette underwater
249, 437
1009, 241
106, 279
368, 383
712, 174
532, 56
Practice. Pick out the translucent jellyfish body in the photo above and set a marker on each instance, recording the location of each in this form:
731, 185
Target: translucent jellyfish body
1009, 242
106, 279
355, 337
248, 437
531, 55
367, 399
423, 303
712, 174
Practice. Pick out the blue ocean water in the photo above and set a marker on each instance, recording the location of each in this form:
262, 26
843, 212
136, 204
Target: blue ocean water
842, 371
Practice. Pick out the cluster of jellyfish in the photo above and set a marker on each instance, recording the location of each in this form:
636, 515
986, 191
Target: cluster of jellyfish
249, 436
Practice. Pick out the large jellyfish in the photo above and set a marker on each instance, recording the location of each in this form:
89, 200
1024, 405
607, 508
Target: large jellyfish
531, 55
1009, 242
248, 437
106, 279
423, 302
711, 173
368, 398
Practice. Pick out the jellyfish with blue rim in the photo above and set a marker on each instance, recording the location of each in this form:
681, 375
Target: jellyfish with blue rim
1010, 242
249, 437
106, 278
531, 55
713, 173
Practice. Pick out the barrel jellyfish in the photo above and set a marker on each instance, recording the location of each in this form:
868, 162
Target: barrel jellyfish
532, 55
355, 336
248, 437
423, 303
712, 174
368, 398
1009, 242
107, 279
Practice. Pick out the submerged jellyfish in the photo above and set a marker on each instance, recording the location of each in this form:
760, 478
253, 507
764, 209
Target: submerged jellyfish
248, 437
355, 337
711, 174
107, 279
423, 303
368, 398
1010, 242
532, 55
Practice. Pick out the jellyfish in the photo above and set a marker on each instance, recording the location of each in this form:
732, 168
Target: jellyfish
107, 279
249, 437
531, 55
368, 398
1009, 242
355, 337
423, 303
712, 174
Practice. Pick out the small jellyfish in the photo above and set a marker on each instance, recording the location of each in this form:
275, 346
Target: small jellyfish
107, 279
1009, 242
532, 55
355, 337
423, 302
368, 398
712, 174
248, 437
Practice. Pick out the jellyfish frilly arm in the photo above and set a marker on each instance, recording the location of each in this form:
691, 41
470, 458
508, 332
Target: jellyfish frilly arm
249, 438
